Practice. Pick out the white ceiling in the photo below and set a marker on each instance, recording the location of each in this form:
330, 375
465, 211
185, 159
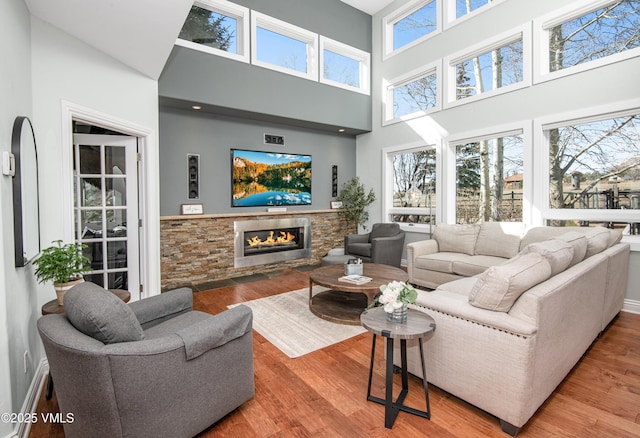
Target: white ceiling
138, 33
368, 6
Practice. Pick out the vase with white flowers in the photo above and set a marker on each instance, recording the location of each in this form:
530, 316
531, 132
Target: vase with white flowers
395, 297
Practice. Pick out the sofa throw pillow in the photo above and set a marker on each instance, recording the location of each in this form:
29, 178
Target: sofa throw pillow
558, 253
98, 313
456, 237
500, 286
499, 239
597, 240
579, 243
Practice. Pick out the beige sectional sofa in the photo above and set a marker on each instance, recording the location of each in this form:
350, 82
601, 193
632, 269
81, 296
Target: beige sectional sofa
515, 308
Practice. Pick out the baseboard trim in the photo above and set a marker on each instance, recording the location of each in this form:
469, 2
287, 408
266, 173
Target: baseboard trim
631, 306
30, 404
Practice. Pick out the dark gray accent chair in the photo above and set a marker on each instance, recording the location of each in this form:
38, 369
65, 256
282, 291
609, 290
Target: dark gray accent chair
383, 245
151, 368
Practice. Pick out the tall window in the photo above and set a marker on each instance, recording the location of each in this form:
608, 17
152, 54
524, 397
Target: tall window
411, 24
489, 179
412, 186
344, 66
284, 47
218, 27
595, 165
414, 94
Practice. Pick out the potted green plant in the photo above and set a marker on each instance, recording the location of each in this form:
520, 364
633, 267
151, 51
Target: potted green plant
355, 201
63, 265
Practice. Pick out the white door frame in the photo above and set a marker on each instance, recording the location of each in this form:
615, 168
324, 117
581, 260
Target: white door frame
148, 187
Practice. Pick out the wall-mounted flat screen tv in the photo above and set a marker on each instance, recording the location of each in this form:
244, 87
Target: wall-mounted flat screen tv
270, 178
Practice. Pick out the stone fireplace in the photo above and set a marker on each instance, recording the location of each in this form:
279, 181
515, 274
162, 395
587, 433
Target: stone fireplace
260, 242
197, 249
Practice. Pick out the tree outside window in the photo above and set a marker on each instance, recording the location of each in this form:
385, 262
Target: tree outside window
491, 70
415, 25
612, 29
414, 186
210, 29
595, 164
415, 96
489, 180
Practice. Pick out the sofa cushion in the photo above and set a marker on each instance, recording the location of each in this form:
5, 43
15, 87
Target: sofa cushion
477, 264
462, 286
500, 286
456, 237
98, 313
500, 239
579, 243
558, 253
598, 240
440, 262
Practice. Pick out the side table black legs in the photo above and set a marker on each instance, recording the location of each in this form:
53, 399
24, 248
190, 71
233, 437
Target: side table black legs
392, 408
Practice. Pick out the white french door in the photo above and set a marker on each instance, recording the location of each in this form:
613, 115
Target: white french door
105, 178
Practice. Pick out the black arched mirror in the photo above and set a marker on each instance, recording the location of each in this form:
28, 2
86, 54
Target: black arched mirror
26, 205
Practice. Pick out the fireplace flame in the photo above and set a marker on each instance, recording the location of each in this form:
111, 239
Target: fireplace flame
271, 240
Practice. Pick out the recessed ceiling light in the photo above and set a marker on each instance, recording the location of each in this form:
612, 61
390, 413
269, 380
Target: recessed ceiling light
341, 130
196, 107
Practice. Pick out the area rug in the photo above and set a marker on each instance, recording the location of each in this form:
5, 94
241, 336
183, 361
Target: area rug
286, 321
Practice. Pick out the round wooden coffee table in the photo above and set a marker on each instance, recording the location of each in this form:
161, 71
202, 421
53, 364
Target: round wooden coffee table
345, 302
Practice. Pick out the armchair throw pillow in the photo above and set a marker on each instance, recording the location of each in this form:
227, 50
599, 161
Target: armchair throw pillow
98, 313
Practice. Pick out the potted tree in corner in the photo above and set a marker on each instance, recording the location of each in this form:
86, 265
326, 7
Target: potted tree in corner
355, 201
63, 265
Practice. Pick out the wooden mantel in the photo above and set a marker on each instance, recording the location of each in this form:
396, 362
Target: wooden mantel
196, 249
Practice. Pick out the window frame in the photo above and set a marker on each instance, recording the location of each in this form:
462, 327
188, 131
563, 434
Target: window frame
541, 196
241, 14
394, 17
449, 12
389, 86
289, 30
363, 58
387, 190
541, 26
519, 33
449, 151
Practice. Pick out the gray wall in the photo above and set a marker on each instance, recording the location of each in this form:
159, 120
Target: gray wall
193, 76
212, 136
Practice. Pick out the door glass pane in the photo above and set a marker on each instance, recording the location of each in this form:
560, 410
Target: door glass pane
95, 278
118, 280
90, 160
117, 254
114, 159
90, 192
91, 223
115, 191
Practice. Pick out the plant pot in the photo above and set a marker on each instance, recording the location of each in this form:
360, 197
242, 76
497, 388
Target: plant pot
62, 288
398, 315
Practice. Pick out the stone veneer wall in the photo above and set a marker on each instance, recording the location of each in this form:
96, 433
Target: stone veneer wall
199, 249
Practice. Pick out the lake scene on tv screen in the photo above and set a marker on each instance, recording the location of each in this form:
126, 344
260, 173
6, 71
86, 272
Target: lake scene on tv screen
270, 178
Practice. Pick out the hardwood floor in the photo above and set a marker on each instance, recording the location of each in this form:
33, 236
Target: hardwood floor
324, 393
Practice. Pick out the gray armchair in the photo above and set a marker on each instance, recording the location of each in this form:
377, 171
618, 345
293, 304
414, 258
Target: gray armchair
384, 244
152, 368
